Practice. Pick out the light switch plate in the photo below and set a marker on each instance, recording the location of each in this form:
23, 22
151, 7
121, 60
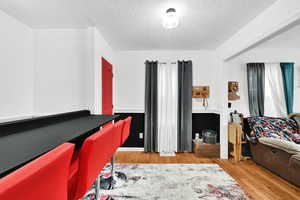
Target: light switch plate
141, 135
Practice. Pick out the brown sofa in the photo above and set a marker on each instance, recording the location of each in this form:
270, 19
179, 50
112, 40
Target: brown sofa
280, 157
278, 160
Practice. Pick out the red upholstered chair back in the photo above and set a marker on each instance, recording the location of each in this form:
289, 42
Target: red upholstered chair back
117, 140
126, 129
94, 154
43, 178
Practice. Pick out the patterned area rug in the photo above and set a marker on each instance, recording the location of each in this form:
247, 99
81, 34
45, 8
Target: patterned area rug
173, 181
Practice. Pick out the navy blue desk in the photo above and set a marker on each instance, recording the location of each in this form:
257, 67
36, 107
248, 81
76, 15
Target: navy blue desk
20, 147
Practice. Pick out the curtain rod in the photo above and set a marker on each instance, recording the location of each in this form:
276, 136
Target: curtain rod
164, 62
267, 62
167, 63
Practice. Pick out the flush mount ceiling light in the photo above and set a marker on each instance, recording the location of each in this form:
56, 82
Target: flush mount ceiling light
170, 19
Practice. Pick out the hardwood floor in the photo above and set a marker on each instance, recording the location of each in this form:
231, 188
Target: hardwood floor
259, 182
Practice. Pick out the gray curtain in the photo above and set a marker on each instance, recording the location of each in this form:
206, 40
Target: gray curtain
185, 82
256, 88
150, 142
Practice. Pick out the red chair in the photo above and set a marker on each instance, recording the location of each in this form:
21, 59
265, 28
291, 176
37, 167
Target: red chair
93, 156
43, 178
123, 125
117, 142
126, 129
117, 138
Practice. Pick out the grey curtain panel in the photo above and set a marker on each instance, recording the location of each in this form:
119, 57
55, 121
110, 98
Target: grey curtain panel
150, 142
256, 88
185, 83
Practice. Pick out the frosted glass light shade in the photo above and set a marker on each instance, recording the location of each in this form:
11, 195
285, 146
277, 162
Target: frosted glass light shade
170, 19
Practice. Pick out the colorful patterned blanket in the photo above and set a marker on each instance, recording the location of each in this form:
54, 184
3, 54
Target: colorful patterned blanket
280, 128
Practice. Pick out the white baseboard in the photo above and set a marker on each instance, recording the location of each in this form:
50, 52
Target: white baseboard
167, 154
130, 149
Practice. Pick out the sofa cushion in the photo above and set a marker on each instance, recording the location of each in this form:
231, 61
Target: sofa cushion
296, 157
284, 145
297, 119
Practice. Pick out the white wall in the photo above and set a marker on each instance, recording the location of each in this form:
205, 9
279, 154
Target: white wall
130, 76
61, 60
236, 71
68, 69
101, 49
16, 68
45, 71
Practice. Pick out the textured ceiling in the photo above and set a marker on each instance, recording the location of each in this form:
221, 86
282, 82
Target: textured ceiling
136, 24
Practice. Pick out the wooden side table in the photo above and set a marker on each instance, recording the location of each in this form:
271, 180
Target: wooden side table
235, 140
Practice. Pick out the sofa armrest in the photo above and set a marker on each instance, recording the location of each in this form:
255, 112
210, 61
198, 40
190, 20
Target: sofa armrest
294, 169
289, 147
294, 115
